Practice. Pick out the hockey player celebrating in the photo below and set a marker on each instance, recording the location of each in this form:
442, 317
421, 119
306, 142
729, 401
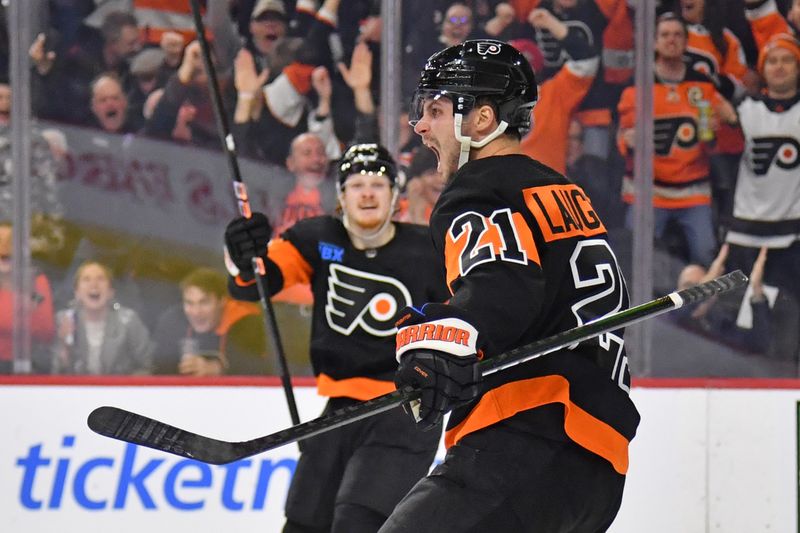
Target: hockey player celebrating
363, 268
542, 446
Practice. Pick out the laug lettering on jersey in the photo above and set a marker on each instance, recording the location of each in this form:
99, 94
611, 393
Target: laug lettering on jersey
362, 299
67, 475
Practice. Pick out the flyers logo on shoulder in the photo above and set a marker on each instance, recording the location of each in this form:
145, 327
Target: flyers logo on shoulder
365, 300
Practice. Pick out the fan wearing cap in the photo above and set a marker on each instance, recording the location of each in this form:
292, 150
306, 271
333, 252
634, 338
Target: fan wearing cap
268, 24
766, 206
363, 268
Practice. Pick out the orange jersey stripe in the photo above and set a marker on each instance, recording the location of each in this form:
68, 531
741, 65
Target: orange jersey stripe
357, 388
676, 203
511, 398
293, 266
563, 211
594, 117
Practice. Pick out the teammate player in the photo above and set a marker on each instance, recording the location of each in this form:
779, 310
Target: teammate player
542, 446
363, 268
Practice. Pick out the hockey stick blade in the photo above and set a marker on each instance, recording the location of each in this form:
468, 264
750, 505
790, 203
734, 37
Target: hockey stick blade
138, 429
131, 427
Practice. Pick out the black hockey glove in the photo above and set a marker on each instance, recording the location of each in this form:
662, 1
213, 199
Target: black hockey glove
438, 353
246, 238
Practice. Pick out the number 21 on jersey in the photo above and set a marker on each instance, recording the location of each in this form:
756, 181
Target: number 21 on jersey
474, 239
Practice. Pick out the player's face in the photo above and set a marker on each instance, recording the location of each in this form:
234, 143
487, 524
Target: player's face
367, 200
435, 127
93, 289
202, 309
781, 70
670, 40
692, 10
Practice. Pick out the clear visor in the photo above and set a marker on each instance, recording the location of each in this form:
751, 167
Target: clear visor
425, 98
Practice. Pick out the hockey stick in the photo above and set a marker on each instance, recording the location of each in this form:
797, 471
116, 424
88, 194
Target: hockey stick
130, 427
243, 201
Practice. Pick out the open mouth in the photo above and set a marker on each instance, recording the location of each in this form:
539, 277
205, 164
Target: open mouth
94, 297
433, 149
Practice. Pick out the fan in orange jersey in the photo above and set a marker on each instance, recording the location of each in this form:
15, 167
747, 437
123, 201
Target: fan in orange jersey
681, 165
559, 96
716, 52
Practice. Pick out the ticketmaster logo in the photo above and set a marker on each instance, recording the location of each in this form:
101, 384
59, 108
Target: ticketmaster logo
50, 480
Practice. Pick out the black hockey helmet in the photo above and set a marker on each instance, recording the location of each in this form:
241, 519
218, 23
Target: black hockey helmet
367, 158
480, 68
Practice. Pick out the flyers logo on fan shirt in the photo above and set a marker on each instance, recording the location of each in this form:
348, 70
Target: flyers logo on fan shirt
554, 54
362, 299
701, 62
763, 151
678, 131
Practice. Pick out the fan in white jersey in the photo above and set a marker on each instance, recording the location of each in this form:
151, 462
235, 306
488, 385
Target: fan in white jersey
767, 199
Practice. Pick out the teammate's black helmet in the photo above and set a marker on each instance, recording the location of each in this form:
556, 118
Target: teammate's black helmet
480, 68
368, 158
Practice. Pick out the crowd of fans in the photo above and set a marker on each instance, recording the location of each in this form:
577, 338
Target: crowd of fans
300, 81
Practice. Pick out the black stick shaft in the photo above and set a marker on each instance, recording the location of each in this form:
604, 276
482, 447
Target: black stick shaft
243, 202
130, 427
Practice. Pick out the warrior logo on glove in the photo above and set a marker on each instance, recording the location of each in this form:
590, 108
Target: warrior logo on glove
438, 350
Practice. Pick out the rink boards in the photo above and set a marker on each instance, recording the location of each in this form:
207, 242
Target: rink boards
710, 456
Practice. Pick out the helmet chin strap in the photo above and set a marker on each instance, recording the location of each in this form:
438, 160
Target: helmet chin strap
373, 239
466, 141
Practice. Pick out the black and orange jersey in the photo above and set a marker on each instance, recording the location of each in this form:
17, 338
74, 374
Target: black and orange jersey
527, 257
726, 70
558, 98
704, 56
606, 27
681, 161
356, 296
